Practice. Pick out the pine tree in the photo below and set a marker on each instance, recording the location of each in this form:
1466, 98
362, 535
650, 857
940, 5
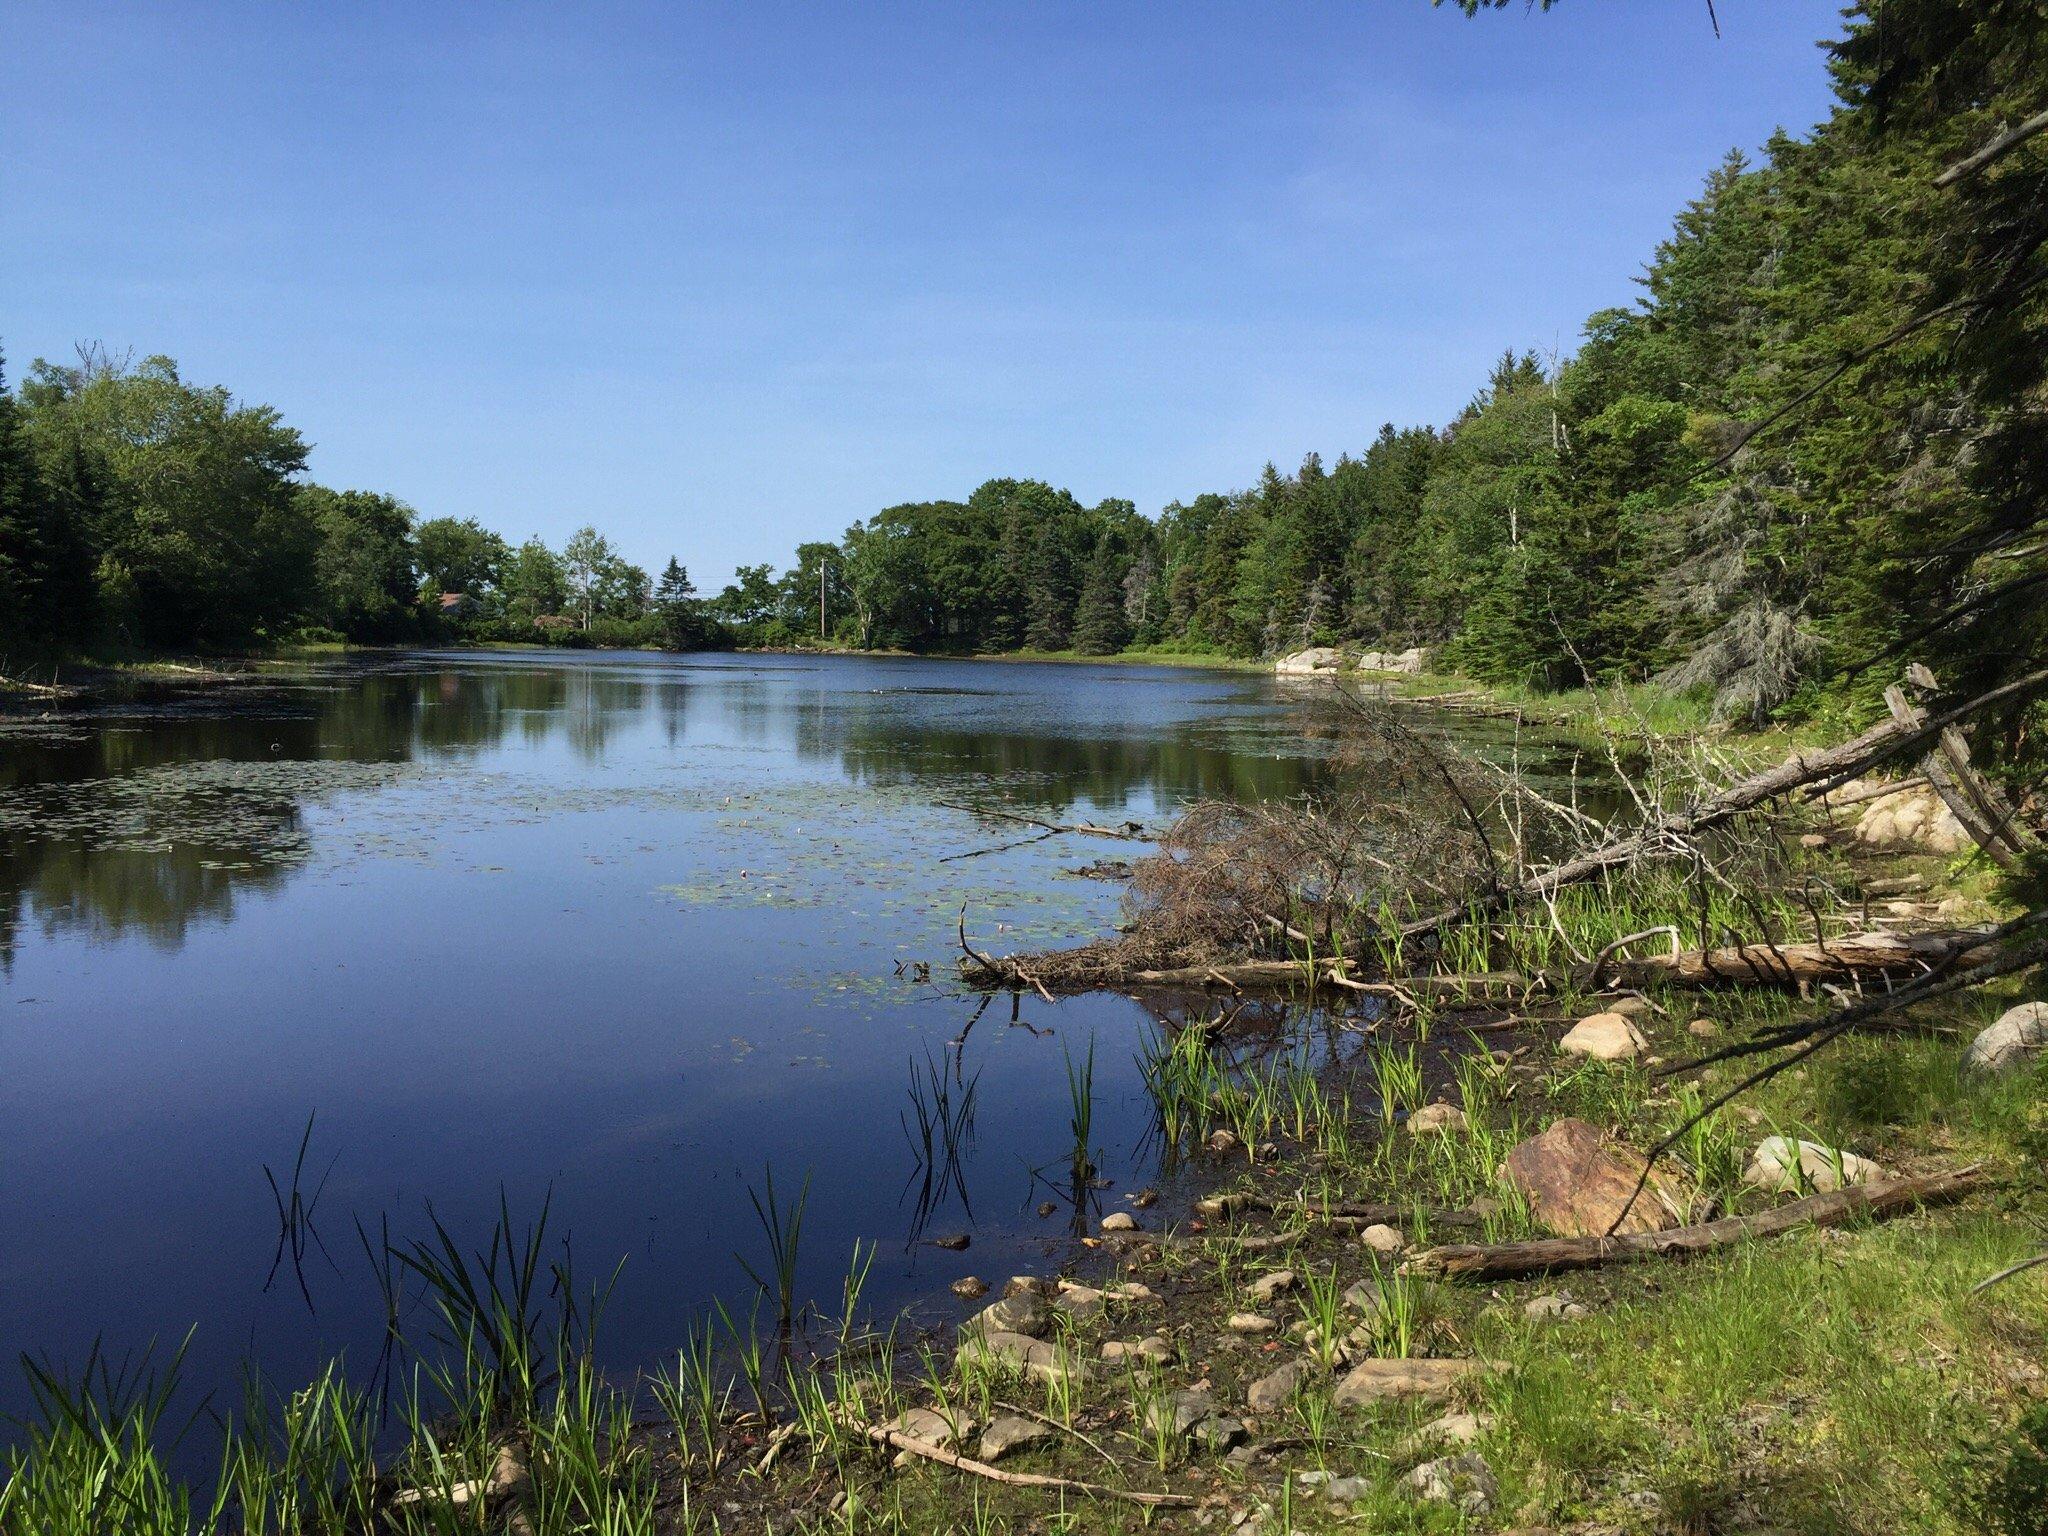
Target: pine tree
675, 601
1099, 625
45, 554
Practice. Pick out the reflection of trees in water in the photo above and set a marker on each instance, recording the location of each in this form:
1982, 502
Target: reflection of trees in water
148, 824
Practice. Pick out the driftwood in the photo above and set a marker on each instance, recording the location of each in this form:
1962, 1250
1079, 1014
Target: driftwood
882, 1434
1988, 820
1129, 832
1365, 1213
1506, 1261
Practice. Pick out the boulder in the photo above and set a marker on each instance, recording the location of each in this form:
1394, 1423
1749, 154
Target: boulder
1379, 1381
1464, 1481
1916, 816
1577, 1181
933, 1427
1009, 1434
1190, 1413
1789, 1167
1604, 1037
1119, 1221
1032, 1357
1272, 1392
1410, 662
1434, 1119
1317, 659
2020, 1035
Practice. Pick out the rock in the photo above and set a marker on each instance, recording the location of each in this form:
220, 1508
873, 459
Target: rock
1272, 1392
1317, 658
1434, 1119
1119, 1221
1813, 839
1145, 1352
1379, 1381
1917, 816
1362, 1296
1009, 1434
1223, 1141
1034, 1357
1381, 1238
1464, 1481
1145, 1199
1219, 1434
1629, 1007
1023, 1312
1266, 1287
1786, 1167
1411, 661
1182, 1411
2020, 1035
1047, 1207
970, 1288
1545, 1308
1604, 1037
1447, 1429
1576, 1182
955, 1243
936, 1428
1027, 1285
1703, 1029
1249, 1322
1347, 1490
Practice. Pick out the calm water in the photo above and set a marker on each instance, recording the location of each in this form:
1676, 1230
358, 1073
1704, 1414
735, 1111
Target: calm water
624, 928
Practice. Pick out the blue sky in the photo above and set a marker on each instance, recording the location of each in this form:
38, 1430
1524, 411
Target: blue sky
720, 277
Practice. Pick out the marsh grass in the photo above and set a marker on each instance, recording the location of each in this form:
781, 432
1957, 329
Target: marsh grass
782, 1228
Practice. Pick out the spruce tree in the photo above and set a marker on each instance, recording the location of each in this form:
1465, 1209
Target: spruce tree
45, 555
1099, 625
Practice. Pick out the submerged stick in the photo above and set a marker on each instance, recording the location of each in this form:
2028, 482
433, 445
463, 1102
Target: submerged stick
1505, 1261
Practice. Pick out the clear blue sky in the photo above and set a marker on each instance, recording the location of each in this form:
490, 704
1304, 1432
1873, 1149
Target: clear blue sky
720, 277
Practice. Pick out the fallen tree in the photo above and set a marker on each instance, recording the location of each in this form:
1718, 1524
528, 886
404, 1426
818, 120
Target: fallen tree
1508, 1261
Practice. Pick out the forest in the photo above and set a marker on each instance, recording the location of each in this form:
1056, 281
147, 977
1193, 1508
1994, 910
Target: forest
1813, 440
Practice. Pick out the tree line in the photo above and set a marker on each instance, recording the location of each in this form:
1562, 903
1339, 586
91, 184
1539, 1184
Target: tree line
142, 513
1813, 441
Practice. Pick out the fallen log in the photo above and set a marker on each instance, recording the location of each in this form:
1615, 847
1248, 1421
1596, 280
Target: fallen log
1671, 834
1507, 1261
1853, 957
896, 1439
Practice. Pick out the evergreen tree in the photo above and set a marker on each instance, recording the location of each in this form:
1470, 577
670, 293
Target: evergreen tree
45, 558
1099, 625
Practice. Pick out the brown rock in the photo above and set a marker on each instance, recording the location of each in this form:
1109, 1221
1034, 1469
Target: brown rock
1604, 1037
1378, 1381
1577, 1181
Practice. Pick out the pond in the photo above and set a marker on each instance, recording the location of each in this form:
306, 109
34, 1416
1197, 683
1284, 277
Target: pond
614, 932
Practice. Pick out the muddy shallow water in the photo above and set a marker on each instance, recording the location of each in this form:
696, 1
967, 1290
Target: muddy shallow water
624, 930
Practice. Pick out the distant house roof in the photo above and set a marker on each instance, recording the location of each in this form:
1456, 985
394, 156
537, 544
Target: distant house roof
454, 602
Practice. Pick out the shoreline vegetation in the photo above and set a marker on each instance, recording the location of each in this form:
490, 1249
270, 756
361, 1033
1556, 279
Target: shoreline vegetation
1380, 1296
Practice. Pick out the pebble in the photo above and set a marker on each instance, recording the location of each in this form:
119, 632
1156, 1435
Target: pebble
1250, 1322
1266, 1287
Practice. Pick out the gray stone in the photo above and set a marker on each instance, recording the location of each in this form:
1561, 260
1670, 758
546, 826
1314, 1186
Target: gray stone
1145, 1352
1119, 1221
1317, 658
1273, 1391
1009, 1434
1785, 1166
1464, 1481
1266, 1287
1381, 1238
1024, 1312
1379, 1381
2019, 1036
1435, 1119
1549, 1307
1219, 1434
1347, 1490
1447, 1430
1182, 1411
